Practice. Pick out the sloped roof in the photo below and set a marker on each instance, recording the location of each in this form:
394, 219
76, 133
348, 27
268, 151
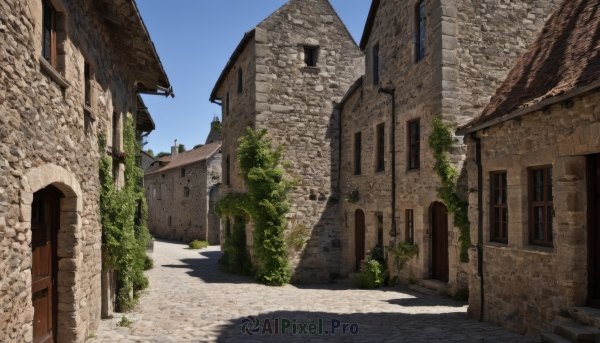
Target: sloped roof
189, 157
563, 59
369, 24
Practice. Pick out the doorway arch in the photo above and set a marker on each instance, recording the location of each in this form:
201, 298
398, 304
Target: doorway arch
440, 266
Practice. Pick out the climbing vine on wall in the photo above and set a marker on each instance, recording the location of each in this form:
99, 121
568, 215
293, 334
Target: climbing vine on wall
265, 203
124, 216
440, 141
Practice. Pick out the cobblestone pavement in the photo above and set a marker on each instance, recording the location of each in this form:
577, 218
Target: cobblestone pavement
190, 300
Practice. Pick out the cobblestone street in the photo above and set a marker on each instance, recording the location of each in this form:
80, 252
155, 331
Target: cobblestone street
190, 300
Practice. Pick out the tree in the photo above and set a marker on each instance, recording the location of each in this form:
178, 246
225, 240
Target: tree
150, 152
181, 148
198, 146
162, 154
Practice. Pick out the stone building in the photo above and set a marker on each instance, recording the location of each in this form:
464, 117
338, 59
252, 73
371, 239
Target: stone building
533, 154
283, 76
180, 192
70, 70
424, 60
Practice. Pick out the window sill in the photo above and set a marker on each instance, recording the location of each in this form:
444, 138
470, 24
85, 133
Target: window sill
310, 70
53, 73
413, 170
536, 249
496, 245
88, 109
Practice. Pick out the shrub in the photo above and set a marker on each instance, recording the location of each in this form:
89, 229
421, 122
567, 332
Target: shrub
462, 295
235, 257
125, 322
374, 275
149, 263
198, 244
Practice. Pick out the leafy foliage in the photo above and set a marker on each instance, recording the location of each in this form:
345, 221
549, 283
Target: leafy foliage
124, 216
374, 275
125, 322
402, 253
440, 141
353, 197
197, 146
181, 148
296, 238
163, 154
235, 257
265, 203
198, 244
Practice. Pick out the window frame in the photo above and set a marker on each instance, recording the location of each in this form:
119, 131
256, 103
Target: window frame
358, 153
376, 64
312, 56
49, 56
547, 205
409, 226
420, 31
380, 146
240, 86
87, 75
187, 192
502, 219
414, 146
182, 172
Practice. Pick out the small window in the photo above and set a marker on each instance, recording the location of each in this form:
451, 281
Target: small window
379, 217
310, 56
409, 236
420, 31
227, 105
414, 145
183, 172
115, 130
88, 84
170, 220
376, 64
541, 209
499, 208
240, 87
380, 148
357, 153
87, 122
49, 33
227, 171
159, 192
186, 192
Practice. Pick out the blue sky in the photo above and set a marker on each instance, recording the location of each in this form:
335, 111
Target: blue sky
194, 39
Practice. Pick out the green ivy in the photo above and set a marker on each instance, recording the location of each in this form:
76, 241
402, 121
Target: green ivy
265, 203
124, 216
402, 253
441, 140
235, 257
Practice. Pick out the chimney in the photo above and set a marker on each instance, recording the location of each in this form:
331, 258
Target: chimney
174, 150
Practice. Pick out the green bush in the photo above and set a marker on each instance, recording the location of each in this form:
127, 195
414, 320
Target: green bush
125, 322
198, 244
235, 257
149, 263
373, 276
462, 295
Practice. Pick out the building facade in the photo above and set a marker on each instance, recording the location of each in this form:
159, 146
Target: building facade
533, 155
180, 194
424, 60
71, 70
283, 76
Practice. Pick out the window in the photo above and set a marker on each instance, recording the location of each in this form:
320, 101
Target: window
376, 64
186, 192
87, 122
183, 172
310, 56
170, 220
420, 32
540, 205
115, 130
227, 106
49, 33
380, 148
357, 153
410, 227
499, 210
87, 85
380, 231
228, 171
414, 145
159, 191
240, 81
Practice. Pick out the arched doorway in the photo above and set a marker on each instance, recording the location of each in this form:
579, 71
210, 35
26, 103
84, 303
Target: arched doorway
439, 242
45, 222
359, 237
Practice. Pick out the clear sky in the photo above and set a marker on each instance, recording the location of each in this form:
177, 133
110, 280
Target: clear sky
194, 39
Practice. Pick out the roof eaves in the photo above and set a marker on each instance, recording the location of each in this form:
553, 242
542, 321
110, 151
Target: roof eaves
231, 63
355, 86
369, 24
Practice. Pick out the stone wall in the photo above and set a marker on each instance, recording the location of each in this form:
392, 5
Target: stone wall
44, 140
527, 286
294, 103
452, 81
189, 215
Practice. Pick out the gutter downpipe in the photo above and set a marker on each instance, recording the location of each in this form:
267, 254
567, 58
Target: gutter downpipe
479, 219
392, 92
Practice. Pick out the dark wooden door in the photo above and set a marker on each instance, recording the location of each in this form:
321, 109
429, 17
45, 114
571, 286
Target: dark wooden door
45, 212
439, 240
594, 230
359, 237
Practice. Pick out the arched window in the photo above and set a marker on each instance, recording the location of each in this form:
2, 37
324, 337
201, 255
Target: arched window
186, 192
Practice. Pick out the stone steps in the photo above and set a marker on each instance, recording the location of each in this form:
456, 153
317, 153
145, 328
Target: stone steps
586, 316
424, 290
564, 331
548, 337
434, 288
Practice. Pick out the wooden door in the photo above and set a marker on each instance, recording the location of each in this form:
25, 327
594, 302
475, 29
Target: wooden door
593, 230
45, 212
359, 237
439, 240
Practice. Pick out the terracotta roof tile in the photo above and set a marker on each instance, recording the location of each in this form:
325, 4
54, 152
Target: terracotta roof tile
189, 157
564, 57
